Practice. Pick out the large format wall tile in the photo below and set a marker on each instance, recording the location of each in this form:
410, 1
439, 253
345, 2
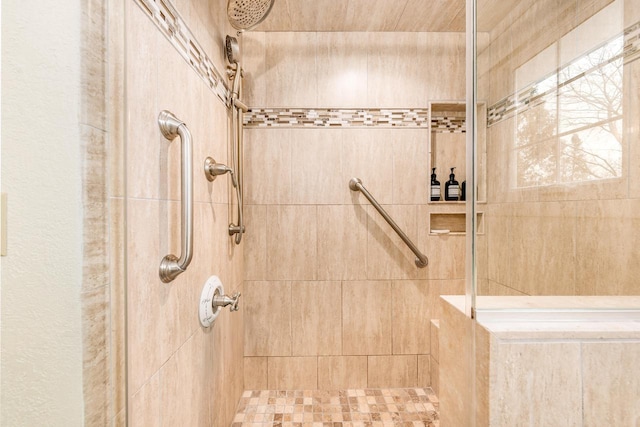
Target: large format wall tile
183, 388
389, 60
342, 69
411, 178
267, 171
145, 405
255, 373
175, 78
342, 242
542, 246
393, 371
498, 229
144, 357
548, 374
611, 383
293, 373
367, 154
291, 237
366, 318
254, 63
255, 242
291, 69
411, 303
316, 318
342, 372
141, 128
608, 263
424, 371
316, 167
441, 67
268, 319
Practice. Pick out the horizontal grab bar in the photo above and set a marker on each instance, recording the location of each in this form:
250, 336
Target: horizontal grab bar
171, 266
355, 184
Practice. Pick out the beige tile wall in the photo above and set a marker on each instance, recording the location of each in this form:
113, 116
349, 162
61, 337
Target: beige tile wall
353, 69
334, 299
178, 372
608, 369
573, 239
553, 373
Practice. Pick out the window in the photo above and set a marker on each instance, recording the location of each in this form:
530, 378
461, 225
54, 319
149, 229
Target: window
569, 128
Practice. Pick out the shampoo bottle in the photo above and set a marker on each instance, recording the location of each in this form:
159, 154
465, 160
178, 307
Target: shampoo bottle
435, 186
452, 188
463, 191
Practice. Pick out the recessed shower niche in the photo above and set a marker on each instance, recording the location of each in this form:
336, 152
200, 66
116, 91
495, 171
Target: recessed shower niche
447, 163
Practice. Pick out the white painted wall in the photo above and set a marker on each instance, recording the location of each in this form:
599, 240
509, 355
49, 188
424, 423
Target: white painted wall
41, 355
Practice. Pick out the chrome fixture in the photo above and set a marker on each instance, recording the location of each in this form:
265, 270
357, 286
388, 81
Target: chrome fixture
246, 14
243, 15
213, 169
171, 266
355, 184
213, 299
237, 109
232, 52
223, 301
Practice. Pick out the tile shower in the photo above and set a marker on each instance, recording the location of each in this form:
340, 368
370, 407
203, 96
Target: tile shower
329, 300
352, 309
333, 307
336, 324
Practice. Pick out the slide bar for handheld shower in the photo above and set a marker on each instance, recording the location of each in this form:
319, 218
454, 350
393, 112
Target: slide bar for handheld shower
171, 266
355, 184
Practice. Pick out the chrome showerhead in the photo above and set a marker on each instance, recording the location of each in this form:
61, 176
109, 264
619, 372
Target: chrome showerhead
246, 14
232, 50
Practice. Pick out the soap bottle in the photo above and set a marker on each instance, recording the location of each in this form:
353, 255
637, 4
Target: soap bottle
463, 191
452, 188
435, 186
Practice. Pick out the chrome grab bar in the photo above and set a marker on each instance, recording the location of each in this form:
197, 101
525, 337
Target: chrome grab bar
355, 184
171, 266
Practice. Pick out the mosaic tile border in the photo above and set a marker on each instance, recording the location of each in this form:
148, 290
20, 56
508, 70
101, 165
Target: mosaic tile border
528, 97
448, 124
166, 17
338, 408
334, 117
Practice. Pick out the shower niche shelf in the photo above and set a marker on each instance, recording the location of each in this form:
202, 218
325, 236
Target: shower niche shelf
447, 145
454, 222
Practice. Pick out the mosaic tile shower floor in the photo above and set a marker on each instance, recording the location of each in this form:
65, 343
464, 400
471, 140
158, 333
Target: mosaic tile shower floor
407, 407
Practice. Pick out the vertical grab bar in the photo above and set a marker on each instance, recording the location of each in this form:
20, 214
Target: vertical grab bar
171, 266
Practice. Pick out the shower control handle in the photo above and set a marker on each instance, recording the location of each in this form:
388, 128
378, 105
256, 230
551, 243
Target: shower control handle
223, 301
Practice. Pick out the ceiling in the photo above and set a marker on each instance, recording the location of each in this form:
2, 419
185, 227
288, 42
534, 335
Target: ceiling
381, 15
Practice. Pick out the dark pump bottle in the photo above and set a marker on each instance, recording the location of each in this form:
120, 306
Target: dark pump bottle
435, 186
452, 188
